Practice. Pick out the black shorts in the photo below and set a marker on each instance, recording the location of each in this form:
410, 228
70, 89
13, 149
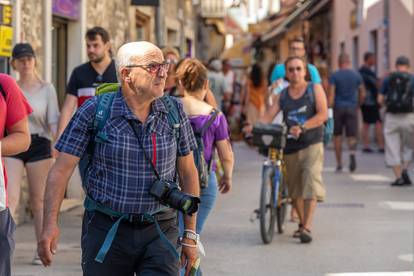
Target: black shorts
40, 149
346, 117
370, 114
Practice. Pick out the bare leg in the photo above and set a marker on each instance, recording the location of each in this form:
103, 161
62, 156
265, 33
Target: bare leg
397, 171
365, 135
37, 174
380, 135
309, 208
298, 204
338, 150
352, 141
15, 169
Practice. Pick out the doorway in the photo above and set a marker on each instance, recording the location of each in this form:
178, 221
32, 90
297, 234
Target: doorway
59, 56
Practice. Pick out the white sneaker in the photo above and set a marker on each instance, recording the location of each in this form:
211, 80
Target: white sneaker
36, 260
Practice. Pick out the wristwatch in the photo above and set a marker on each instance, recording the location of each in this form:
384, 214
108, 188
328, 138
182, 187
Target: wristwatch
303, 128
191, 235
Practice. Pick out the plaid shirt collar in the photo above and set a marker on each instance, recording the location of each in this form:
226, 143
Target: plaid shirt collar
121, 109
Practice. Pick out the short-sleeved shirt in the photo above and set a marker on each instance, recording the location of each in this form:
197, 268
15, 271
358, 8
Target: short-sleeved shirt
45, 110
217, 131
84, 80
279, 72
120, 177
370, 82
347, 82
13, 108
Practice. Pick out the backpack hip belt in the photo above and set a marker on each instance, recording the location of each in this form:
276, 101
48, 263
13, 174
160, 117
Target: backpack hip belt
92, 206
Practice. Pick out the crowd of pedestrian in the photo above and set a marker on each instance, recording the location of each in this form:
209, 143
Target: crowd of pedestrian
161, 142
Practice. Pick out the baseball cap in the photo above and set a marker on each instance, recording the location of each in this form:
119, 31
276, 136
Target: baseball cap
22, 50
402, 60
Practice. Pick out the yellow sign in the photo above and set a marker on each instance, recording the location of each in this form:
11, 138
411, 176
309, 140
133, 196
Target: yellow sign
6, 41
7, 15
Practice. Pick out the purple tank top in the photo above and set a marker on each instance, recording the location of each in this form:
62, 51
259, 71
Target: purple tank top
217, 131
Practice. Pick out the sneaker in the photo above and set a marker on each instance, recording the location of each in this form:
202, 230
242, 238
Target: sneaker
398, 182
36, 260
406, 177
352, 163
338, 169
381, 151
305, 236
367, 150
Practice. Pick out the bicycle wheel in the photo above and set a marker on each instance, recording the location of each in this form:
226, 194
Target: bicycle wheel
282, 206
267, 212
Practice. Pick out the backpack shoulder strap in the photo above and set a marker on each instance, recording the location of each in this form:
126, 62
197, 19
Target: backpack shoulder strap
173, 115
310, 93
101, 114
214, 113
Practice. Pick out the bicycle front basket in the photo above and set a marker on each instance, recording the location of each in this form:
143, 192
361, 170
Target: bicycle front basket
269, 136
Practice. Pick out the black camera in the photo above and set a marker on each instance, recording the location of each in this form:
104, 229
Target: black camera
168, 193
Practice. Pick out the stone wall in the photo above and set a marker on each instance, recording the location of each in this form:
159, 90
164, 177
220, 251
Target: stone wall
112, 15
31, 27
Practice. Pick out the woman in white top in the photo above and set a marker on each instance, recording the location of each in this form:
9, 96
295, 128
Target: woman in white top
43, 124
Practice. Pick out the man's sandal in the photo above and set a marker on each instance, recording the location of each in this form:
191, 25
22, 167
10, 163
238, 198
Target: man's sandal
305, 236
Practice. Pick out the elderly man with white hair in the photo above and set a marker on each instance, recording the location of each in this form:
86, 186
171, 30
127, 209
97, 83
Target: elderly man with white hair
126, 229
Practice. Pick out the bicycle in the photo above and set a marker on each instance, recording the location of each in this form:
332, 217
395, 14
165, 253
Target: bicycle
273, 205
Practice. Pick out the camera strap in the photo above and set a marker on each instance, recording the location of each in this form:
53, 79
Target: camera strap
157, 175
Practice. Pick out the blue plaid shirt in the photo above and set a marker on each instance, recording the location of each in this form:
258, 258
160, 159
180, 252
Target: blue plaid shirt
120, 177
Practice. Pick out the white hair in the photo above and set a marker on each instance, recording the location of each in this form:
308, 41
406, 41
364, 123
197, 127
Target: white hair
128, 52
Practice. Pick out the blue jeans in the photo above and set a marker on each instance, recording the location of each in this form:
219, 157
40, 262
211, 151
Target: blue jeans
208, 198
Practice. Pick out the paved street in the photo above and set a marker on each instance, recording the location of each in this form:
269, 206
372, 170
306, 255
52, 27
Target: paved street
364, 226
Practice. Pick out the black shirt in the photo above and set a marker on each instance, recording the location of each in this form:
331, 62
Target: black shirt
84, 80
370, 82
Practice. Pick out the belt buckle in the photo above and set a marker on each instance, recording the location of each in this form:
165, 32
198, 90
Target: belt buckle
136, 219
139, 219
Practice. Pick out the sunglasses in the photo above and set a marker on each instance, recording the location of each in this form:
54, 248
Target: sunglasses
293, 69
152, 68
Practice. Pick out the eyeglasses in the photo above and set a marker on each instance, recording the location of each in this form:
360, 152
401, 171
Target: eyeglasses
152, 68
293, 69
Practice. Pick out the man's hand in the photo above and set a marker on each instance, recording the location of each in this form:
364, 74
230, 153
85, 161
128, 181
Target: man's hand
295, 131
247, 129
224, 185
47, 245
188, 255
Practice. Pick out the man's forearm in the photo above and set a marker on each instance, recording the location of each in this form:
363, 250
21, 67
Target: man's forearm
57, 182
190, 185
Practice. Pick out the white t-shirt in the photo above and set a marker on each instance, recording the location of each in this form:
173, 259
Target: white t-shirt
45, 110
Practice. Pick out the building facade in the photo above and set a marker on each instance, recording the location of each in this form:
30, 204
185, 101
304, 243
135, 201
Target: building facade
56, 30
385, 27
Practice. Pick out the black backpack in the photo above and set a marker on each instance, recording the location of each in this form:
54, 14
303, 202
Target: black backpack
203, 168
399, 98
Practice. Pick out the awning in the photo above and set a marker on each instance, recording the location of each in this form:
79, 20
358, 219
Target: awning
285, 24
239, 53
317, 8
